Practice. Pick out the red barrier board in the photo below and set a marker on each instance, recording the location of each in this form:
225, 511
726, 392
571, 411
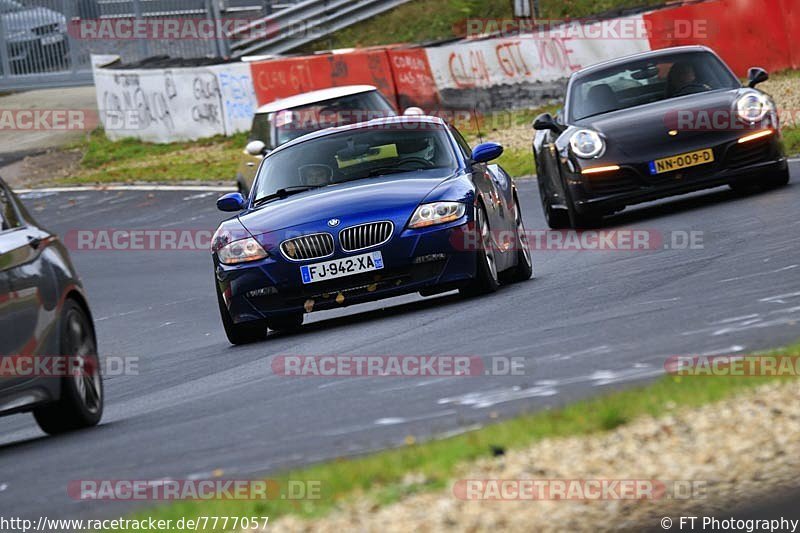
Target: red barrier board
413, 78
790, 14
280, 78
744, 33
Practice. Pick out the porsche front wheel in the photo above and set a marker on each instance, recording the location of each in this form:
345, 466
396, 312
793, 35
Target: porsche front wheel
555, 218
579, 220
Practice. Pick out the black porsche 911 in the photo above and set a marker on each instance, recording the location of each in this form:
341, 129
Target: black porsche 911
653, 125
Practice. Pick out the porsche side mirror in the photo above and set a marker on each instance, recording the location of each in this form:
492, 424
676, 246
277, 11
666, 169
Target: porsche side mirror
545, 121
756, 75
255, 148
486, 152
231, 202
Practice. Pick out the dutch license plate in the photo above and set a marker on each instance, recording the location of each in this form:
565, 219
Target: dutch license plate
339, 268
677, 162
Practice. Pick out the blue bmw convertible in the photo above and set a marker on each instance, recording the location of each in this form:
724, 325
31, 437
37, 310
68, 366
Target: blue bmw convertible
363, 212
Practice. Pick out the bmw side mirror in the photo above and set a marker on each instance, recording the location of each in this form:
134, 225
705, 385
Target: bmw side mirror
486, 152
756, 75
255, 148
545, 121
231, 202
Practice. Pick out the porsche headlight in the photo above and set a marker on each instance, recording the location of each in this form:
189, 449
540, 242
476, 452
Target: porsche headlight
437, 213
752, 106
241, 251
587, 143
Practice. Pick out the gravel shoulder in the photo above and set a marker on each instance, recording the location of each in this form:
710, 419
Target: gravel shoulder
734, 452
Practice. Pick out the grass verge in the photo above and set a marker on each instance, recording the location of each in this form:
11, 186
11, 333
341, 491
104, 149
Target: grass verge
132, 160
388, 476
791, 140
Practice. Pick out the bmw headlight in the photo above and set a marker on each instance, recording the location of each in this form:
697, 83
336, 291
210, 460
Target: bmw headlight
753, 106
587, 144
241, 251
437, 213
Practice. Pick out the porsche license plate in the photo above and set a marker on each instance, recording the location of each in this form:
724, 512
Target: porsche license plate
339, 268
677, 162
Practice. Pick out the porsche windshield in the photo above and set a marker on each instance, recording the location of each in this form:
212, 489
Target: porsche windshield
356, 154
647, 81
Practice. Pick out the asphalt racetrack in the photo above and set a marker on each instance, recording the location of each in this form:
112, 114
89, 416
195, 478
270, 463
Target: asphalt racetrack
590, 321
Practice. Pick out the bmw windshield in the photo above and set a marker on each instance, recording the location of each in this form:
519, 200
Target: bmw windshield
647, 81
357, 154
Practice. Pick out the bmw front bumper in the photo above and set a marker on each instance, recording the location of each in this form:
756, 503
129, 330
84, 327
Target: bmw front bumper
433, 259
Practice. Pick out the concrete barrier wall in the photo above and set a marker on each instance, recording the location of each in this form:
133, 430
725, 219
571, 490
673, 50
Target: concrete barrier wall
178, 104
488, 74
521, 71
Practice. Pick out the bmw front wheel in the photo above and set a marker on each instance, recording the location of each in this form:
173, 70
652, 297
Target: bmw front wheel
244, 333
486, 279
524, 267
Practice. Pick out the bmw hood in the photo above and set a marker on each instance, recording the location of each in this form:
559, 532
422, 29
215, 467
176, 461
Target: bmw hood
390, 197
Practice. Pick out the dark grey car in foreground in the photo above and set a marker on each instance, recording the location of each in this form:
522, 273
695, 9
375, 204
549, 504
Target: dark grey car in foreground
48, 351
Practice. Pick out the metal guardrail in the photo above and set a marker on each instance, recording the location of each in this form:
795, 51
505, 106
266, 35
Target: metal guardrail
37, 48
152, 8
303, 23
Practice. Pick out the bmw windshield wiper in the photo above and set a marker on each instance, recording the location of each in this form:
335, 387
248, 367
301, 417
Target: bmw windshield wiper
285, 192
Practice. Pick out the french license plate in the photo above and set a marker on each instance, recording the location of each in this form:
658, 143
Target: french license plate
52, 39
339, 268
677, 162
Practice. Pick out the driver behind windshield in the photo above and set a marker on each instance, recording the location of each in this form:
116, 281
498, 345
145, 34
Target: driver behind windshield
315, 175
357, 154
682, 79
627, 85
